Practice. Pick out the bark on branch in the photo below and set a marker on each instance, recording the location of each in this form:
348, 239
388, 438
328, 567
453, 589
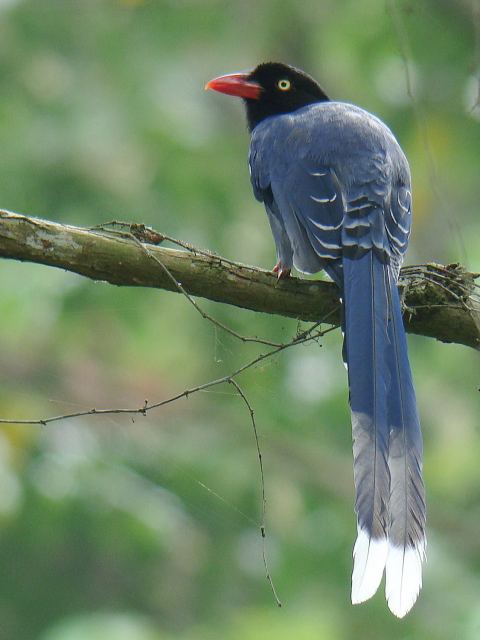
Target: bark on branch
441, 302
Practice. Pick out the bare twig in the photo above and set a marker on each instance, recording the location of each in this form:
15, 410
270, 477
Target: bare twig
304, 337
149, 233
263, 529
204, 314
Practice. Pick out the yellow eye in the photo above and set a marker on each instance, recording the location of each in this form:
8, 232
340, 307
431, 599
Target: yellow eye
284, 85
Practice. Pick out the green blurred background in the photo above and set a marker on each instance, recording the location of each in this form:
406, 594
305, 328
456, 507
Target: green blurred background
148, 529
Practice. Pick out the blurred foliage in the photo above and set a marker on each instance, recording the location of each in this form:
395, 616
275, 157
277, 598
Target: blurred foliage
148, 529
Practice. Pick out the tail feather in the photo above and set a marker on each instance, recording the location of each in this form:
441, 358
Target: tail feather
387, 442
403, 578
366, 341
370, 556
407, 511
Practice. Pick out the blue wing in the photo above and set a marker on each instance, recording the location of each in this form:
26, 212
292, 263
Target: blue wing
307, 208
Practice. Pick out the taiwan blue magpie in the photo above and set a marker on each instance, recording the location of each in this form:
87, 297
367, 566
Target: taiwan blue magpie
336, 188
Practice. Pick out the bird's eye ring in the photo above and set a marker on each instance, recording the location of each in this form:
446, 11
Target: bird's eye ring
284, 85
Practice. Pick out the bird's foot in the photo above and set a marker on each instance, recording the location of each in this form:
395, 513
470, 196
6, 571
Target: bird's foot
280, 271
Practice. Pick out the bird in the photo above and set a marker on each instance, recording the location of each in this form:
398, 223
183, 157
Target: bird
336, 188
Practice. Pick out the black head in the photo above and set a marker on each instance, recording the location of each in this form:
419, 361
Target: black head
270, 89
284, 89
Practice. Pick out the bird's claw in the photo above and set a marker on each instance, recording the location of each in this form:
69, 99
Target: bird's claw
281, 272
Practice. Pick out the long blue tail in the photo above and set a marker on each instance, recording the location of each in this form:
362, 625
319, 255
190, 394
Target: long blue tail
387, 447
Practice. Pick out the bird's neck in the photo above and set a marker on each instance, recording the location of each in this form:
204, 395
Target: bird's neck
257, 110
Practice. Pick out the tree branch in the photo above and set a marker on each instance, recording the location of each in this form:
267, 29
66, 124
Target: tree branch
441, 302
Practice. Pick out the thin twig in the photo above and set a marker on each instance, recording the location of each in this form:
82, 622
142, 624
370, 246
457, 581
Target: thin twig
449, 275
435, 275
146, 407
263, 529
150, 235
181, 289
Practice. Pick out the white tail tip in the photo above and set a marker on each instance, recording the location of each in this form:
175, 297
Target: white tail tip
369, 558
403, 577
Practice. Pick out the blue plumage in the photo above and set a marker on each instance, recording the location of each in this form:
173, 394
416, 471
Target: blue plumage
336, 187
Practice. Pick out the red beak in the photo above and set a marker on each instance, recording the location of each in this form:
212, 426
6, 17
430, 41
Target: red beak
236, 84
